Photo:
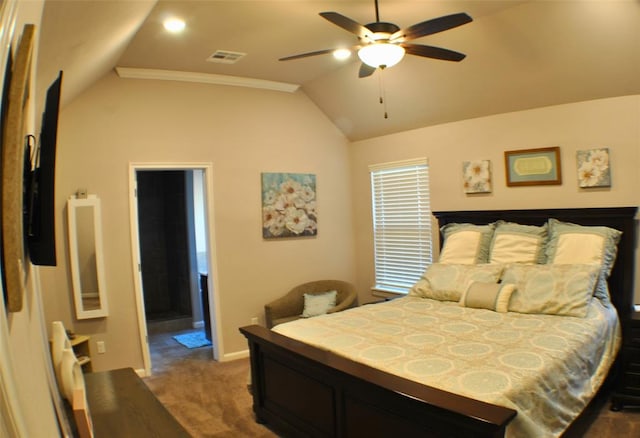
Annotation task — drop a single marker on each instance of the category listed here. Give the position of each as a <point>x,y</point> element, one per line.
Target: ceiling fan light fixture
<point>381,54</point>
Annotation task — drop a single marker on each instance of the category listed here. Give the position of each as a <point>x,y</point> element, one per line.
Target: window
<point>401,223</point>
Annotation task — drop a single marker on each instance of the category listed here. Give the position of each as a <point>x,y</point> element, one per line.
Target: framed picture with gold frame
<point>13,158</point>
<point>533,167</point>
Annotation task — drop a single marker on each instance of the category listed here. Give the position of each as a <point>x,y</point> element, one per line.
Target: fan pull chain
<point>382,92</point>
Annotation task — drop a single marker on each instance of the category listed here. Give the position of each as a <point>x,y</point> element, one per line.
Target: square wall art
<point>593,168</point>
<point>477,176</point>
<point>289,205</point>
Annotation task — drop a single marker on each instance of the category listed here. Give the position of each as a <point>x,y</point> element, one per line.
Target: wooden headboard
<point>621,281</point>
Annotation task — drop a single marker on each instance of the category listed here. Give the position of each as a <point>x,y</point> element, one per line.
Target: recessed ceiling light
<point>174,25</point>
<point>341,53</point>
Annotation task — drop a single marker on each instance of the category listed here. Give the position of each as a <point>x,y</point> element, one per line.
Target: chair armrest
<point>345,304</point>
<point>280,308</point>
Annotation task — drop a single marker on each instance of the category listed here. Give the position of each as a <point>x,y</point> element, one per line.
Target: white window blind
<point>401,223</point>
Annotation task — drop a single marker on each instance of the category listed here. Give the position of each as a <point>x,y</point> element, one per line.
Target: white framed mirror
<point>86,254</point>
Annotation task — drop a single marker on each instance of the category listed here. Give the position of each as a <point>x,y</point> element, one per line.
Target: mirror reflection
<point>85,235</point>
<point>85,250</point>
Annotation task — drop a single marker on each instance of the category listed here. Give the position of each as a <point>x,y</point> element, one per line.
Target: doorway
<point>170,212</point>
<point>166,250</point>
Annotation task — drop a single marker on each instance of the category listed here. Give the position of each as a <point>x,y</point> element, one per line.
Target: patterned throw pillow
<point>551,289</point>
<point>446,282</point>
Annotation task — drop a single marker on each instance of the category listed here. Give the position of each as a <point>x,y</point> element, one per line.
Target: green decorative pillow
<point>466,244</point>
<point>491,296</point>
<point>515,243</point>
<point>551,289</point>
<point>318,304</point>
<point>572,243</point>
<point>446,282</point>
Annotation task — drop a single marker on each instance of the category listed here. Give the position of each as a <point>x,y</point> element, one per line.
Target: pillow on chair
<point>318,304</point>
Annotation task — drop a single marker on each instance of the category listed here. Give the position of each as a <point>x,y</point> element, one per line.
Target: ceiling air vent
<point>226,57</point>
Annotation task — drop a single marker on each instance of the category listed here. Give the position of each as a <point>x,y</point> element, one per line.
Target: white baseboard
<point>198,324</point>
<point>235,356</point>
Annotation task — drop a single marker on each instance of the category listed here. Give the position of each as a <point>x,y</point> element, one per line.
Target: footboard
<point>299,390</point>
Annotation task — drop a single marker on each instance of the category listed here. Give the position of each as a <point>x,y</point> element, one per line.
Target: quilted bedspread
<point>546,367</point>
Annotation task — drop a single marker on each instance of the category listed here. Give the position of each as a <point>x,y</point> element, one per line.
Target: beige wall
<point>612,123</point>
<point>242,132</point>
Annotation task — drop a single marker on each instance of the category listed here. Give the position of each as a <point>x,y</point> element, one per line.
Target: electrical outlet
<point>254,320</point>
<point>101,348</point>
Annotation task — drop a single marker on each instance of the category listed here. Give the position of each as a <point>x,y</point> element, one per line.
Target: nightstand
<point>627,391</point>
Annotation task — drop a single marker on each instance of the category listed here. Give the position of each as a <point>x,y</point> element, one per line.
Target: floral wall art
<point>593,168</point>
<point>289,205</point>
<point>477,176</point>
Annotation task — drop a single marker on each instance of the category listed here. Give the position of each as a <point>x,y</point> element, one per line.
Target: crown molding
<point>204,78</point>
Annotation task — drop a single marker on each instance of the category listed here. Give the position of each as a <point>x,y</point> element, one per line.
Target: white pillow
<point>318,304</point>
<point>465,244</point>
<point>572,243</point>
<point>515,243</point>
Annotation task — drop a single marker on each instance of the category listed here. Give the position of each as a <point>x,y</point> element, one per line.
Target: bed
<point>313,388</point>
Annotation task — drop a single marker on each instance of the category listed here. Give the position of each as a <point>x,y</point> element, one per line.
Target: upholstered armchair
<point>290,306</point>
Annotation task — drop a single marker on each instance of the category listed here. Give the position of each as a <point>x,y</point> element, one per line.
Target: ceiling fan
<point>383,45</point>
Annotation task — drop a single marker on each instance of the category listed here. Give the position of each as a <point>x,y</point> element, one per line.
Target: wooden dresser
<point>121,405</point>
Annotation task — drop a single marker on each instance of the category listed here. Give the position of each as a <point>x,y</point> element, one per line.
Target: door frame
<point>212,265</point>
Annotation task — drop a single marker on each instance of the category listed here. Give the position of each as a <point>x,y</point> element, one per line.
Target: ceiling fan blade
<point>348,24</point>
<point>365,70</point>
<point>433,52</point>
<point>432,26</point>
<point>305,55</point>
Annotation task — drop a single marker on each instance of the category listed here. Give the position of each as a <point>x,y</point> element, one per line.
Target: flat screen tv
<point>40,199</point>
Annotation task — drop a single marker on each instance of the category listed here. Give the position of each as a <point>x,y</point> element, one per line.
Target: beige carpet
<point>210,399</point>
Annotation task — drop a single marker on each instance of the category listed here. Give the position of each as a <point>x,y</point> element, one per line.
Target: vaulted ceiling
<point>520,54</point>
